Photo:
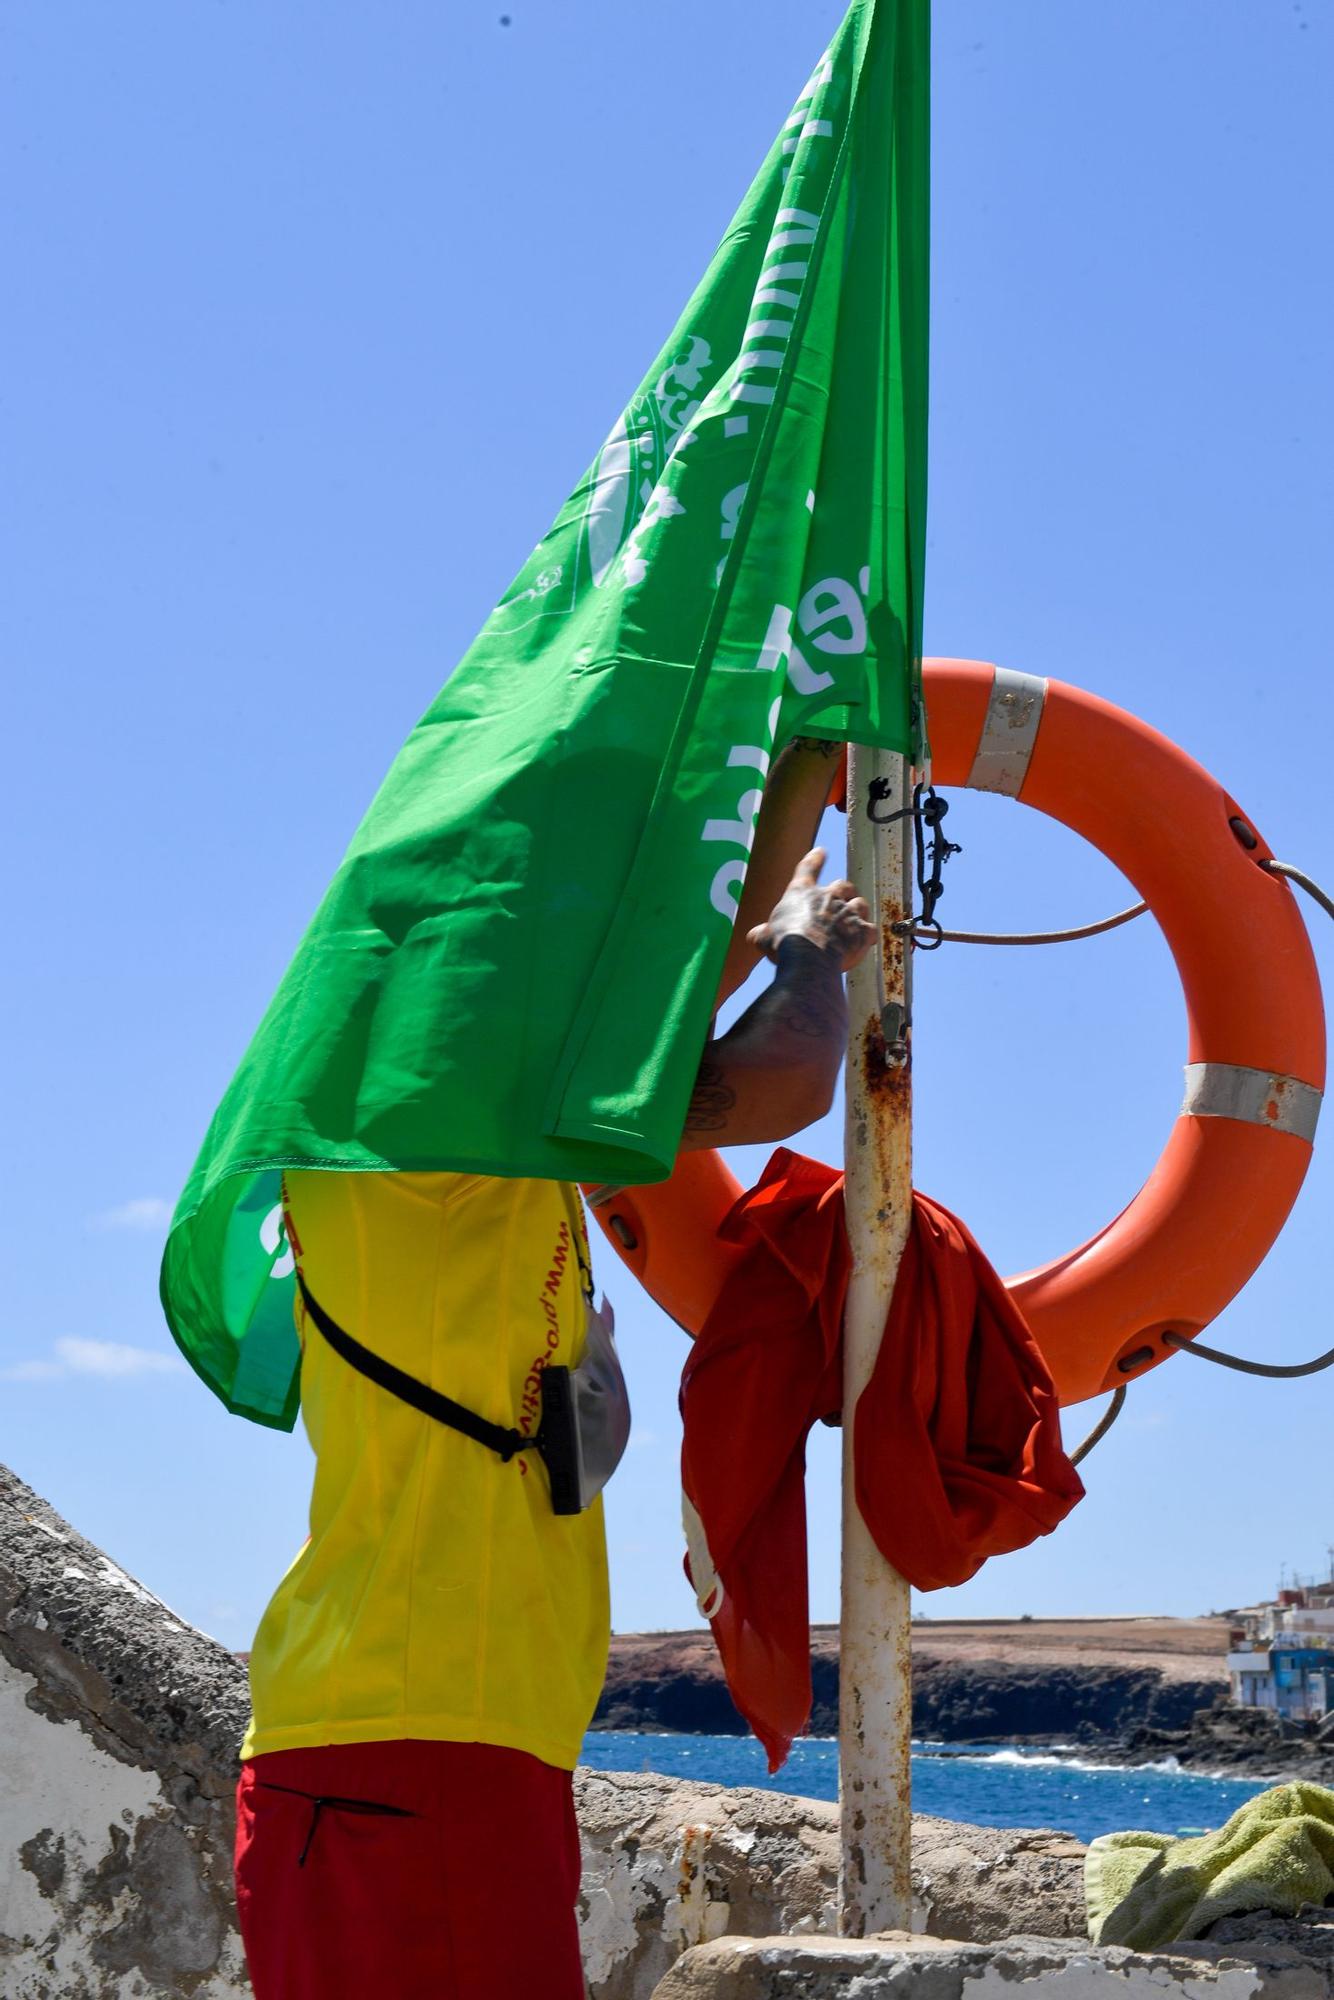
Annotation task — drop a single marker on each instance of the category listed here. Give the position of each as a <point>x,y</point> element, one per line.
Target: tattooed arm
<point>774,1069</point>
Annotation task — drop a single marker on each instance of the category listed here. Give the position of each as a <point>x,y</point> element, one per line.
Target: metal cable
<point>1280,1371</point>
<point>1283,868</point>
<point>1042,937</point>
<point>1303,881</point>
<point>1101,1428</point>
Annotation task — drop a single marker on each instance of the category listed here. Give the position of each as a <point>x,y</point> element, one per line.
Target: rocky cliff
<point>1023,1679</point>
<point>956,1702</point>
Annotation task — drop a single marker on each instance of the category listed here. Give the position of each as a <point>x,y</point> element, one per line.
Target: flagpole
<point>875,1684</point>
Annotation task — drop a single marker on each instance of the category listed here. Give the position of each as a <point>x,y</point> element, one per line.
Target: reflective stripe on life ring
<point>1239,1149</point>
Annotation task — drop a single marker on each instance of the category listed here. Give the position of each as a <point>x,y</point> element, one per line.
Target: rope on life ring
<point>1237,1154</point>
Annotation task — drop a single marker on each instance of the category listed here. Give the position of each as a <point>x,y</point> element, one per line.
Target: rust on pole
<point>875,1674</point>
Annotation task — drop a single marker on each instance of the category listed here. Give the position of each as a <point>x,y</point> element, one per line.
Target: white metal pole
<point>875,1673</point>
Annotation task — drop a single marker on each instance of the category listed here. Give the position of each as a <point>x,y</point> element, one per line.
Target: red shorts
<point>408,1870</point>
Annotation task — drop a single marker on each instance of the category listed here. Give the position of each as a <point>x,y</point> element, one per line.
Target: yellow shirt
<point>438,1595</point>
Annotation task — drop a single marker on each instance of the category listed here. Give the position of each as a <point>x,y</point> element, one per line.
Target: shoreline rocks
<point>1228,1742</point>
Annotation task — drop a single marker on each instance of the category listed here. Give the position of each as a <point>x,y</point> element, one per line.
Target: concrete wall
<point>912,1968</point>
<point>119,1727</point>
<point>669,1865</point>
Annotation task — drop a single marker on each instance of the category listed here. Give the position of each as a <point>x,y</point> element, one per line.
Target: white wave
<point>1052,1759</point>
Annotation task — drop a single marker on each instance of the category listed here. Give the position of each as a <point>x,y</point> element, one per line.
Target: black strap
<point>408,1389</point>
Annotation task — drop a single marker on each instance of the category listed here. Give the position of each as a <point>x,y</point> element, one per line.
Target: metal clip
<point>894,1023</point>
<point>878,791</point>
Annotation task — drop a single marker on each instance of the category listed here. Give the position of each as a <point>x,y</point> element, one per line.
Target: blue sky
<point>315,315</point>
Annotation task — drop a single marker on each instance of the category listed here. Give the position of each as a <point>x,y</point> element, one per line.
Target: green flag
<point>514,967</point>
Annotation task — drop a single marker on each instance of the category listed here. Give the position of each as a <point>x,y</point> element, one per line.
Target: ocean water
<point>989,1784</point>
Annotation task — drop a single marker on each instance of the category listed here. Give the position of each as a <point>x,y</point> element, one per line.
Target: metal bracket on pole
<point>875,1671</point>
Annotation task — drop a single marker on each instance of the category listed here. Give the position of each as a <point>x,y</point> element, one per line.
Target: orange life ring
<point>1255,1064</point>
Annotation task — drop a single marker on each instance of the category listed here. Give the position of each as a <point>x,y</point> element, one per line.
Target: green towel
<point>1275,1853</point>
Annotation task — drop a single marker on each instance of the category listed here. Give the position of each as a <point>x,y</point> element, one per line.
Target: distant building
<point>1282,1653</point>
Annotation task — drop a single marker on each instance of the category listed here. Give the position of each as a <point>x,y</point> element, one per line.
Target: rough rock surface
<point>669,1864</point>
<point>1311,1934</point>
<point>120,1727</point>
<point>894,1967</point>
